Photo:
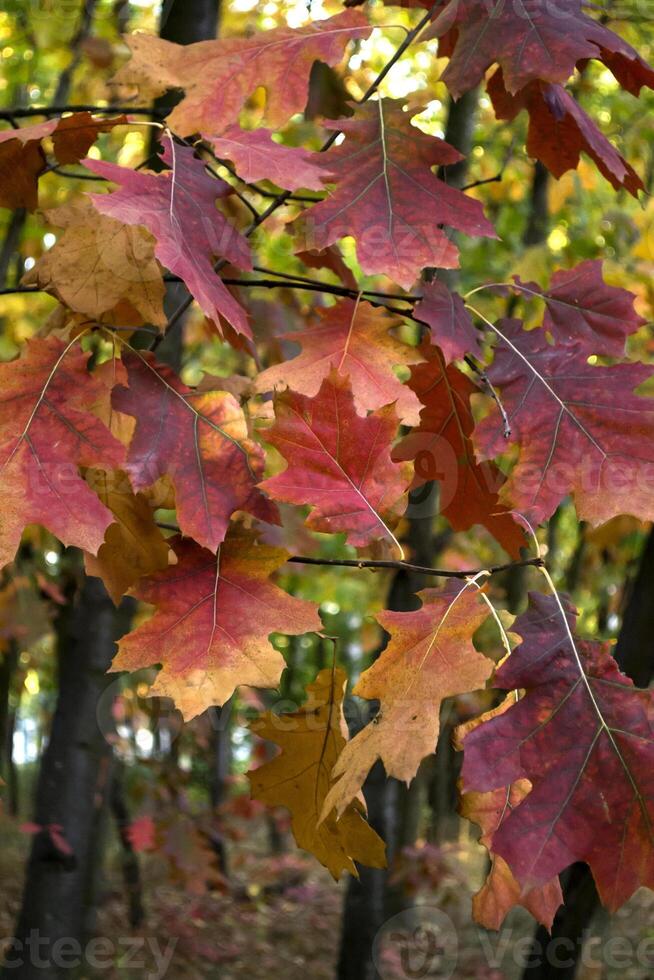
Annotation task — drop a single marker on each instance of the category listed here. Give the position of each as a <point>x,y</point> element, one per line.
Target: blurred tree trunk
<point>130,861</point>
<point>635,655</point>
<point>70,779</point>
<point>8,666</point>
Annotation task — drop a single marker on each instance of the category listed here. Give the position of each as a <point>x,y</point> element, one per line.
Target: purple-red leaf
<point>583,735</point>
<point>178,207</point>
<point>579,427</point>
<point>389,199</point>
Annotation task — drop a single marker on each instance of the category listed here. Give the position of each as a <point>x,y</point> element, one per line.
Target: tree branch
<point>419,569</point>
<point>57,110</point>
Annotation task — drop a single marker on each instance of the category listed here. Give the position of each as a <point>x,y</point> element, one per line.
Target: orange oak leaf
<point>23,160</point>
<point>338,462</point>
<point>256,156</point>
<point>580,306</point>
<point>178,208</point>
<point>559,130</point>
<point>583,735</point>
<point>218,76</point>
<point>532,40</point>
<point>200,440</point>
<point>214,614</point>
<point>579,428</point>
<point>429,657</point>
<point>299,778</point>
<point>351,337</point>
<point>501,892</point>
<point>441,449</point>
<point>46,432</point>
<point>387,197</point>
<point>450,323</point>
<point>101,267</point>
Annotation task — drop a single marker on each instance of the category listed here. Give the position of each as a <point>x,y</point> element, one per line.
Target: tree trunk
<point>635,656</point>
<point>58,870</point>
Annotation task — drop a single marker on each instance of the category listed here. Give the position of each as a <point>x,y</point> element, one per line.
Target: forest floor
<point>282,918</point>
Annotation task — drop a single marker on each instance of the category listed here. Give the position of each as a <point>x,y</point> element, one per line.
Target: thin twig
<point>488,385</point>
<point>57,110</point>
<point>420,569</point>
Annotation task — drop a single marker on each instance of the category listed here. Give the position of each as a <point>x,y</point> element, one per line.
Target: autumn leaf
<point>501,892</point>
<point>133,546</point>
<point>338,462</point>
<point>299,778</point>
<point>429,657</point>
<point>559,130</point>
<point>450,324</point>
<point>580,306</point>
<point>213,617</point>
<point>178,208</point>
<point>441,449</point>
<point>579,429</point>
<point>200,440</point>
<point>101,267</point>
<point>23,159</point>
<point>351,337</point>
<point>256,156</point>
<point>46,433</point>
<point>530,41</point>
<point>387,197</point>
<point>583,735</point>
<point>218,76</point>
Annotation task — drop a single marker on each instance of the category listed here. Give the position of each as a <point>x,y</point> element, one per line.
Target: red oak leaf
<point>450,323</point>
<point>583,735</point>
<point>387,197</point>
<point>559,130</point>
<point>338,462</point>
<point>429,657</point>
<point>351,337</point>
<point>579,428</point>
<point>442,450</point>
<point>580,306</point>
<point>218,76</point>
<point>200,440</point>
<point>214,614</point>
<point>257,157</point>
<point>530,40</point>
<point>46,432</point>
<point>178,208</point>
<point>23,160</point>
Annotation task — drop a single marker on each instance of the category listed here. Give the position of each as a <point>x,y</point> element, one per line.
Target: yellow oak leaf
<point>101,268</point>
<point>299,778</point>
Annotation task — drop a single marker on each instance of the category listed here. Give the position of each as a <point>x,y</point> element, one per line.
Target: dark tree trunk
<point>59,867</point>
<point>635,655</point>
<point>8,666</point>
<point>130,861</point>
